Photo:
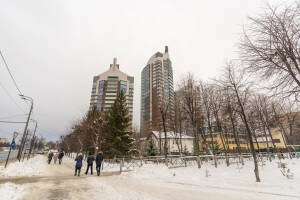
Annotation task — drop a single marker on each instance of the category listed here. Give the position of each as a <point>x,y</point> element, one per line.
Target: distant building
<point>107,86</point>
<point>156,89</point>
<point>229,140</point>
<point>4,141</point>
<point>174,143</point>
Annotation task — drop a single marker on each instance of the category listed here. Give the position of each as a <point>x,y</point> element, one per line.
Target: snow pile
<point>10,191</point>
<point>31,167</point>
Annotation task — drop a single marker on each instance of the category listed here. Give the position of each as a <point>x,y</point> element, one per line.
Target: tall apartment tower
<point>107,85</point>
<point>157,89</point>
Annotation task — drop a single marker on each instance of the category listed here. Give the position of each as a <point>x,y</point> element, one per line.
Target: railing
<point>175,161</point>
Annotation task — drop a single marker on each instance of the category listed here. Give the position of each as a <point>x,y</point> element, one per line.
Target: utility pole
<point>34,144</point>
<point>24,145</point>
<point>32,141</point>
<point>26,126</point>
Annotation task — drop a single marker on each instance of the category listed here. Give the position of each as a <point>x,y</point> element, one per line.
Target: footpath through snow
<point>150,182</point>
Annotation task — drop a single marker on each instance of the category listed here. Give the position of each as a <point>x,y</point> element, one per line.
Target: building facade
<point>156,91</point>
<point>176,143</point>
<point>107,86</point>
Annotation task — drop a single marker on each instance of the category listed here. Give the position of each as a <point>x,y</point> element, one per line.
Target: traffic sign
<point>13,144</point>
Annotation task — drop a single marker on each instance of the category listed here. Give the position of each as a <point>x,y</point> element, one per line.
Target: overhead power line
<point>6,65</point>
<point>11,98</point>
<point>12,122</point>
<point>12,116</point>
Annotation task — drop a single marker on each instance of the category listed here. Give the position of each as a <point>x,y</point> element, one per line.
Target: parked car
<point>40,152</point>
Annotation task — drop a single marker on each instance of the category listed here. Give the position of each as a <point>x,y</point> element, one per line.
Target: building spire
<point>114,65</point>
<point>115,62</point>
<point>166,49</point>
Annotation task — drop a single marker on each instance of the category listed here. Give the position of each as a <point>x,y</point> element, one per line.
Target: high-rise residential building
<point>157,90</point>
<point>107,86</point>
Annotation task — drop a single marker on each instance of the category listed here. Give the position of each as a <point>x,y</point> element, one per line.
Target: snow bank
<point>10,191</point>
<point>234,177</point>
<point>32,167</point>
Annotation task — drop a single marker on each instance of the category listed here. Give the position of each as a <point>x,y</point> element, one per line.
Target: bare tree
<point>192,108</point>
<point>163,110</point>
<point>230,112</point>
<point>270,47</point>
<point>217,101</point>
<point>206,98</point>
<point>238,84</point>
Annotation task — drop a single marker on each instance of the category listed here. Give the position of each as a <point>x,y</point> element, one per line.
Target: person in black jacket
<point>90,161</point>
<point>60,157</point>
<point>51,154</point>
<point>99,159</point>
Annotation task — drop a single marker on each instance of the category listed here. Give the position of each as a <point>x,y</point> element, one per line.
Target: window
<point>112,78</point>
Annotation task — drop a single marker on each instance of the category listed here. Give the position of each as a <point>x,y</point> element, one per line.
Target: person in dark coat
<point>50,156</point>
<point>60,157</point>
<point>90,161</point>
<point>78,164</point>
<point>99,159</point>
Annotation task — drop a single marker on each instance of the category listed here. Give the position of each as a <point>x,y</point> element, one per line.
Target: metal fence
<point>127,164</point>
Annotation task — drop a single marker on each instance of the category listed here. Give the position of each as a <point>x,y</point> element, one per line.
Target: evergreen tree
<point>151,151</point>
<point>118,140</point>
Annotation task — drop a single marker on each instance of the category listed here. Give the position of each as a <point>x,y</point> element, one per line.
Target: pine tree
<point>118,140</point>
<point>151,151</point>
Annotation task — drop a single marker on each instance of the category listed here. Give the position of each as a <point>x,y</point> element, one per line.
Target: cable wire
<point>12,99</point>
<point>11,122</point>
<point>6,65</point>
<point>12,116</point>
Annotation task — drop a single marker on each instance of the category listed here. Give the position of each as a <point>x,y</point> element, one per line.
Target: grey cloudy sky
<point>55,47</point>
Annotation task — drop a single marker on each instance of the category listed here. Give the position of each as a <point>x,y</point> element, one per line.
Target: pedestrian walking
<point>99,159</point>
<point>90,161</point>
<point>50,155</point>
<point>78,164</point>
<point>55,157</point>
<point>60,157</point>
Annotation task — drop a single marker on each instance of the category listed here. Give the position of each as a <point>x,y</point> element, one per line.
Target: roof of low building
<point>171,134</point>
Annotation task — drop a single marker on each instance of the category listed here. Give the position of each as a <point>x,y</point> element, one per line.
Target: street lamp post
<point>26,126</point>
<point>32,140</point>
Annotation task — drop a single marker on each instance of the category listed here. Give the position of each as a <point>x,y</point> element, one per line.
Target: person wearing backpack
<point>99,159</point>
<point>90,161</point>
<point>78,164</point>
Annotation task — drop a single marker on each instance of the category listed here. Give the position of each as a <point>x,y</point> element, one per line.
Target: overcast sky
<point>55,47</point>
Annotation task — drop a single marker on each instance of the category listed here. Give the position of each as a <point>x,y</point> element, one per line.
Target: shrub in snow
<point>286,171</point>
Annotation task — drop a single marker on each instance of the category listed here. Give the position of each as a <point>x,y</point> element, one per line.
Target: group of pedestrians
<point>56,156</point>
<point>90,162</point>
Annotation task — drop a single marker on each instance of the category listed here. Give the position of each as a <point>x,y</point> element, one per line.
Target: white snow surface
<point>32,167</point>
<point>227,179</point>
<point>113,192</point>
<point>10,191</point>
<point>156,181</point>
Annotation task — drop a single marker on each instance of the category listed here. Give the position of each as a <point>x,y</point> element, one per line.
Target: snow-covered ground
<point>152,181</point>
<point>227,179</point>
<point>32,167</point>
<point>10,191</point>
